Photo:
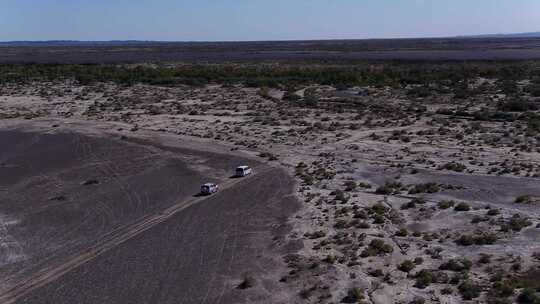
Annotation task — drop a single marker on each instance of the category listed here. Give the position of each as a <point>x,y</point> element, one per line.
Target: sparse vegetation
<point>462,207</point>
<point>370,146</point>
<point>469,290</point>
<point>377,247</point>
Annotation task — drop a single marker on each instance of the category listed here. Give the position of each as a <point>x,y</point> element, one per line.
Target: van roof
<point>209,185</point>
<point>242,167</point>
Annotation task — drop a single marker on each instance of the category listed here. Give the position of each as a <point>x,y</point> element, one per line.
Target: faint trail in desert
<point>107,242</point>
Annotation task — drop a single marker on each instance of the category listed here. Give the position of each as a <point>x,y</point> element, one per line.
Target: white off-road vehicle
<point>242,171</point>
<point>209,188</point>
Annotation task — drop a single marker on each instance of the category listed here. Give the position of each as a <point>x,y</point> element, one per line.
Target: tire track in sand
<point>108,242</point>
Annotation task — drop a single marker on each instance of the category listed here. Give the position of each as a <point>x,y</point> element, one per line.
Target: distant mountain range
<point>513,35</point>
<point>140,42</point>
<point>75,42</point>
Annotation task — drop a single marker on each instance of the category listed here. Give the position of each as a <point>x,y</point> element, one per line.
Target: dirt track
<point>196,257</point>
<point>106,243</point>
<point>191,225</point>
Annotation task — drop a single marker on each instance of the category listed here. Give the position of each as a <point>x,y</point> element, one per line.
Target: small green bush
<point>462,207</point>
<point>469,290</point>
<point>406,266</point>
<point>456,265</point>
<point>528,296</point>
<point>425,188</point>
<point>446,204</point>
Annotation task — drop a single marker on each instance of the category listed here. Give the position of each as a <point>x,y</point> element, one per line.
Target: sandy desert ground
<point>100,200</point>
<point>404,198</point>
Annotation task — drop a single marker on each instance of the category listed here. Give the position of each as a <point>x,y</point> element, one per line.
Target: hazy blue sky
<point>261,20</point>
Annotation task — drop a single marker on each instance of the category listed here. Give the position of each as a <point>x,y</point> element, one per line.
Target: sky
<point>228,20</point>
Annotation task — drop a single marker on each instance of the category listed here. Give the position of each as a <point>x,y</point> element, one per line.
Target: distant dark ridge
<point>77,43</point>
<point>133,51</point>
<point>512,35</point>
<point>154,42</point>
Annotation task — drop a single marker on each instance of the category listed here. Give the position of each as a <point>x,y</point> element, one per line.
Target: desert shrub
<point>523,199</point>
<point>458,277</point>
<point>445,112</point>
<point>364,185</point>
<point>434,253</point>
<point>423,279</point>
<point>533,123</point>
<point>418,300</point>
<point>264,92</point>
<point>504,116</point>
<point>456,265</point>
<point>419,92</point>
<point>465,240</point>
<point>517,105</point>
<point>462,92</point>
<point>409,205</point>
<point>354,295</point>
<point>378,219</point>
<point>508,87</point>
<point>377,273</point>
<point>350,186</point>
<point>462,207</point>
<point>447,291</point>
<point>469,290</point>
<point>533,89</point>
<point>379,209</point>
<point>363,225</point>
<point>412,204</point>
<point>307,178</point>
<point>529,279</point>
<point>389,188</point>
<point>483,239</point>
<point>515,223</point>
<point>291,96</point>
<point>343,224</point>
<point>426,277</point>
<point>406,266</point>
<point>482,115</point>
<point>478,219</point>
<point>502,289</point>
<point>377,247</point>
<point>310,99</point>
<point>419,201</point>
<point>528,296</point>
<point>493,212</point>
<point>425,188</point>
<point>484,258</point>
<point>403,232</point>
<point>330,259</point>
<point>446,204</point>
<point>341,197</point>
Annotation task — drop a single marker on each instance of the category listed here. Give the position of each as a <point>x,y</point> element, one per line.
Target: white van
<point>242,171</point>
<point>209,188</point>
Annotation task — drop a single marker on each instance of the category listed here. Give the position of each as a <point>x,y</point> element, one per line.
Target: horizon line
<point>502,35</point>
